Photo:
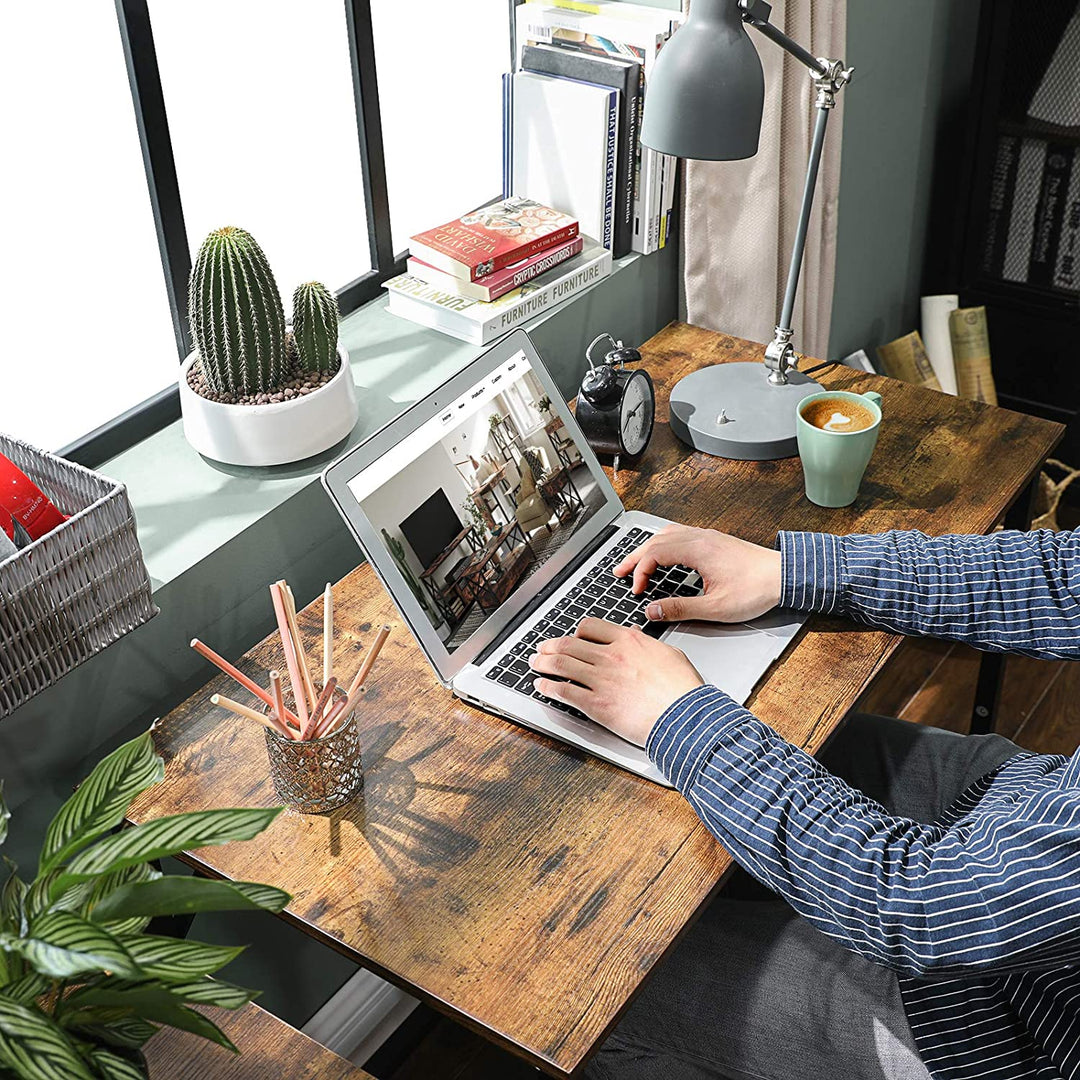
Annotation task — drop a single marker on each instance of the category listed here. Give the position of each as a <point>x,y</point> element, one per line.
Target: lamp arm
<point>830,76</point>
<point>757,12</point>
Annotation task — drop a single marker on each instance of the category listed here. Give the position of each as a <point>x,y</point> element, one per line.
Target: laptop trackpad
<point>732,656</point>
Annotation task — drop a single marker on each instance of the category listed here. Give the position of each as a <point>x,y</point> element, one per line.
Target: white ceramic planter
<point>270,434</point>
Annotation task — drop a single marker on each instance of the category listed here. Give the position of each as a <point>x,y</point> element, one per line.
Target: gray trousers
<point>754,992</point>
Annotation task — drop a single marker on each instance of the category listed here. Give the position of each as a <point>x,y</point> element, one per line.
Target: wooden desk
<point>517,884</point>
<point>269,1050</point>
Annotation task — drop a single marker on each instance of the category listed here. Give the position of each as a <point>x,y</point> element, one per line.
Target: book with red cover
<point>491,237</point>
<point>501,281</point>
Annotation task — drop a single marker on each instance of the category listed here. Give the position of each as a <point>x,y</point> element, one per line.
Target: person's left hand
<point>626,678</point>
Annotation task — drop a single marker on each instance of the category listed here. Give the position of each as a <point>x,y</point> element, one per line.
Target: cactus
<point>315,326</point>
<point>236,315</point>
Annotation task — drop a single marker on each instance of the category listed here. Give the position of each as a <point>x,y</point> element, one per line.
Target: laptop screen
<point>472,503</point>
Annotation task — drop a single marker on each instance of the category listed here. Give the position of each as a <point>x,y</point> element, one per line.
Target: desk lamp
<point>705,100</point>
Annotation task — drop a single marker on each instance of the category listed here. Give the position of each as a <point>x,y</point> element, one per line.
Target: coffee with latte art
<point>838,414</point>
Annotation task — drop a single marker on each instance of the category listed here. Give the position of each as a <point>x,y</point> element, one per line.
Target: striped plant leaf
<point>212,992</point>
<point>117,1027</point>
<point>166,836</point>
<point>35,1048</point>
<point>62,945</point>
<point>74,899</point>
<point>26,989</point>
<point>101,799</point>
<point>13,902</point>
<point>5,815</point>
<point>110,1065</point>
<point>99,888</point>
<point>176,959</point>
<point>39,897</point>
<point>179,895</point>
<point>154,1002</point>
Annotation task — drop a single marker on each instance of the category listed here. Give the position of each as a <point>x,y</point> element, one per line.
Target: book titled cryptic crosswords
<point>487,239</point>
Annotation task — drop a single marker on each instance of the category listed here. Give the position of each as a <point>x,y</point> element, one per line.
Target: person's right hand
<point>740,580</point>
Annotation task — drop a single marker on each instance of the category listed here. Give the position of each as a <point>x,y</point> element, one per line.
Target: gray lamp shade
<point>707,90</point>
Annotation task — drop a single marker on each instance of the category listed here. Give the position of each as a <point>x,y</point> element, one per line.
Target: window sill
<point>188,507</point>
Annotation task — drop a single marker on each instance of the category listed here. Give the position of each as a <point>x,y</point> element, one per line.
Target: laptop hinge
<point>553,586</point>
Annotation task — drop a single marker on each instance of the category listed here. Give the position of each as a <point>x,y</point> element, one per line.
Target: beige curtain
<point>740,216</point>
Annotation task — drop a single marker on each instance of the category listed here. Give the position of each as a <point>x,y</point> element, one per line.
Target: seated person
<point>929,920</point>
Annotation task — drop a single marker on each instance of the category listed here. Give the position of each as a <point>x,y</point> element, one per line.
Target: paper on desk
<point>935,334</point>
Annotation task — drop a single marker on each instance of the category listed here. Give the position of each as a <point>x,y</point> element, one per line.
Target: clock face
<point>636,413</point>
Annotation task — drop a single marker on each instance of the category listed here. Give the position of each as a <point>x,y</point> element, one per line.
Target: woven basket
<point>81,586</point>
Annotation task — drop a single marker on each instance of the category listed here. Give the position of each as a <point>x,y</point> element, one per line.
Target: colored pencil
<point>235,673</point>
<point>279,699</point>
<point>298,644</point>
<point>339,714</point>
<point>277,594</point>
<point>327,634</point>
<point>251,714</point>
<point>369,660</point>
<point>317,712</point>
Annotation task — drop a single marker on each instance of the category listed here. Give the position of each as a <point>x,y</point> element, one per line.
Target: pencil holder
<point>316,775</point>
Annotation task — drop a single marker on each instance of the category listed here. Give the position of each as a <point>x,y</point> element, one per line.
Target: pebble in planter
<point>253,392</point>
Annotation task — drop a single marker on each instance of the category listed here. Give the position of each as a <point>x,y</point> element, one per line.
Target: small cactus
<point>236,315</point>
<point>315,327</point>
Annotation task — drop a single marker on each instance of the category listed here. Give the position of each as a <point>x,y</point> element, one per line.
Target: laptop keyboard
<point>599,594</point>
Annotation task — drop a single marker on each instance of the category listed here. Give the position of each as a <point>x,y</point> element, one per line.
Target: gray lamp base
<point>760,422</point>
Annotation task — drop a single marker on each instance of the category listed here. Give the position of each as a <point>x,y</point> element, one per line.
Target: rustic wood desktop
<point>522,887</point>
<point>269,1050</point>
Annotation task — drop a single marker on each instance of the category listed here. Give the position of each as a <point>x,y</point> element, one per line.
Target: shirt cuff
<point>688,731</point>
<point>811,571</point>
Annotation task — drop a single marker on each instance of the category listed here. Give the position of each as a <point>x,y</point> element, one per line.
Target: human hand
<point>626,678</point>
<point>740,580</point>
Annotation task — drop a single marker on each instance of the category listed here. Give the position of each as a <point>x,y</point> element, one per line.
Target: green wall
<point>903,121</point>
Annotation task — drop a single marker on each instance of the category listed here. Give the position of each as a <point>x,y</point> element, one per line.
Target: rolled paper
<point>935,333</point>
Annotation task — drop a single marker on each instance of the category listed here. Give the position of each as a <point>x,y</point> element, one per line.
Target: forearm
<point>913,897</point>
<point>1009,592</point>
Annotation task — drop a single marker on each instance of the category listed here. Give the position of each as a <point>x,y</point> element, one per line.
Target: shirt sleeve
<point>998,891</point>
<point>1007,592</point>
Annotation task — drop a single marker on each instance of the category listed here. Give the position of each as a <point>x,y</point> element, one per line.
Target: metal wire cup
<point>316,775</point>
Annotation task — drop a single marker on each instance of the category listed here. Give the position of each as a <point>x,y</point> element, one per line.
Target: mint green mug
<point>834,461</point>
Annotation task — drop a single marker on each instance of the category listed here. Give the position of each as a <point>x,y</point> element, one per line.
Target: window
<point>87,327</point>
<point>266,115</point>
<point>440,89</point>
<point>263,123</point>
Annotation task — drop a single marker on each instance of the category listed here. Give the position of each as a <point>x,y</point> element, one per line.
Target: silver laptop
<point>492,525</point>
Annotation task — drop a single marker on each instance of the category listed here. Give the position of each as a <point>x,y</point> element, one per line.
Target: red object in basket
<point>25,501</point>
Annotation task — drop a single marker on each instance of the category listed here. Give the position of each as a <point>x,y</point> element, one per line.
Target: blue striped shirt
<point>978,913</point>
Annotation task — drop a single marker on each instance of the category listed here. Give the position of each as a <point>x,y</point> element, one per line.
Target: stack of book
<point>479,276</point>
<point>572,119</point>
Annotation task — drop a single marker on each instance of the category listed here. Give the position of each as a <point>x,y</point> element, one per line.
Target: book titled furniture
<point>519,885</point>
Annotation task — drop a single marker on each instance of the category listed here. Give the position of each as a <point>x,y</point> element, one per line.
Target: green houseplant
<point>82,985</point>
<point>253,391</point>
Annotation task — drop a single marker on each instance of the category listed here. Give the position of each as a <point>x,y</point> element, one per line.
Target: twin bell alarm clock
<point>616,405</point>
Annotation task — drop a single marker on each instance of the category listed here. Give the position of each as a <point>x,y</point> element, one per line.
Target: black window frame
<point>140,56</point>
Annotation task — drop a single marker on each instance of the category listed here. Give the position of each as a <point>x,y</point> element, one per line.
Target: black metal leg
<point>992,665</point>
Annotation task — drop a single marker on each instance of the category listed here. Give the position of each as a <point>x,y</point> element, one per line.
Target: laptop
<point>492,525</point>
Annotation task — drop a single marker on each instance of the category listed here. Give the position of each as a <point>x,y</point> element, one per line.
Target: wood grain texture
<point>521,886</point>
<point>269,1050</point>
